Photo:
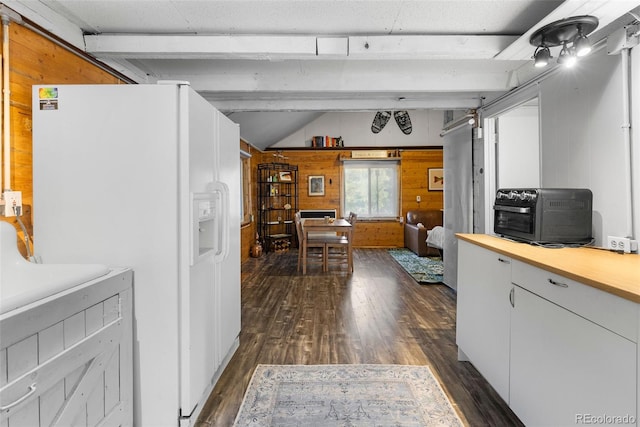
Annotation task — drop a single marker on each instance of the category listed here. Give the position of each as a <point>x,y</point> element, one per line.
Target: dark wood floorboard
<point>378,315</point>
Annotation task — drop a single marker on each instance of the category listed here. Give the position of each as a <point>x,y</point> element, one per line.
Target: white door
<point>198,315</point>
<point>229,268</point>
<point>458,196</point>
<point>483,324</point>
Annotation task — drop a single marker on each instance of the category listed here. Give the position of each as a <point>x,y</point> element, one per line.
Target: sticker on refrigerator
<point>48,97</point>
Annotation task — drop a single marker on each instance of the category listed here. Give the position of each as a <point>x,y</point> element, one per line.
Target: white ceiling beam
<point>351,76</point>
<point>153,46</point>
<point>332,46</point>
<point>200,46</point>
<point>40,13</point>
<point>430,47</point>
<point>605,10</point>
<point>250,103</point>
<point>128,69</point>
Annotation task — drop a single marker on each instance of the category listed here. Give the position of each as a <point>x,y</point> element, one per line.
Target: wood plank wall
<point>248,230</point>
<point>34,59</point>
<point>414,166</point>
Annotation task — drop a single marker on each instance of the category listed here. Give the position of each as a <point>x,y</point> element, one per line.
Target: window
<point>371,188</point>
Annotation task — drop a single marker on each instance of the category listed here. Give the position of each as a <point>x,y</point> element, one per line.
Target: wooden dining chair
<point>340,254</point>
<point>340,245</point>
<point>352,218</point>
<point>303,248</point>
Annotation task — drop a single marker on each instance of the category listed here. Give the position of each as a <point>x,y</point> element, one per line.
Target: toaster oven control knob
<point>512,195</point>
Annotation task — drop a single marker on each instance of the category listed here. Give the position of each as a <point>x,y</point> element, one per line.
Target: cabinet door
<point>483,310</point>
<point>565,368</point>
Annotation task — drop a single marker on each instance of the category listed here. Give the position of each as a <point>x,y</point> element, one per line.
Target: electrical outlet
<point>12,202</point>
<point>418,199</point>
<point>621,244</point>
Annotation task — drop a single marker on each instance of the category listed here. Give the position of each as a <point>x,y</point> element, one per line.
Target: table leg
<point>349,251</point>
<point>304,256</point>
<point>325,258</point>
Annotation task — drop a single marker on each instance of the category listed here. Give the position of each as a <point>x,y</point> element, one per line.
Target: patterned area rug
<point>422,269</point>
<point>345,395</point>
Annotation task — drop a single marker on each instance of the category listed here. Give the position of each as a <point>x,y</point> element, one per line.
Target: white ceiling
<point>295,59</point>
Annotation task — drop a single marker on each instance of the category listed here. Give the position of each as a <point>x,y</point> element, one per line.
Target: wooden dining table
<point>339,226</point>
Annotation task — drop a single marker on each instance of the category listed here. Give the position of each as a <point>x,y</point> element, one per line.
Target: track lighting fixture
<point>570,33</point>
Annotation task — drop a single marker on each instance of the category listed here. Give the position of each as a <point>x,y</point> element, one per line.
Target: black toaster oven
<point>544,215</point>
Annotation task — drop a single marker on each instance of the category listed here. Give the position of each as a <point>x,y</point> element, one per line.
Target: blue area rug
<point>422,269</point>
<point>345,395</point>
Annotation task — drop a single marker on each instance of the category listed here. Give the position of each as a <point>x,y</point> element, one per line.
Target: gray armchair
<point>415,237</point>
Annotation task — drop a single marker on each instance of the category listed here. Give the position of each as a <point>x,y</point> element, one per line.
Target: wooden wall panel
<point>248,231</point>
<point>414,166</point>
<point>248,237</point>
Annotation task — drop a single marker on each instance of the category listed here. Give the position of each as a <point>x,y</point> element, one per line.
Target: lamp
<point>570,33</point>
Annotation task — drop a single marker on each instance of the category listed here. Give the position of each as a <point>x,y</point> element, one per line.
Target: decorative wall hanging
<point>404,121</point>
<point>401,117</point>
<point>436,179</point>
<point>316,185</point>
<point>380,121</point>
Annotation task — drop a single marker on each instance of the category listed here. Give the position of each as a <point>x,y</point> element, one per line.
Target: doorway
<point>508,156</point>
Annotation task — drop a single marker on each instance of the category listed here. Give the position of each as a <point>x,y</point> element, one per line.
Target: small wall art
<point>316,185</point>
<point>285,176</point>
<point>436,179</point>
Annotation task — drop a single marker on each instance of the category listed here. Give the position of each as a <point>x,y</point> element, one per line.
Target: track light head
<point>582,45</point>
<point>541,56</point>
<point>567,56</point>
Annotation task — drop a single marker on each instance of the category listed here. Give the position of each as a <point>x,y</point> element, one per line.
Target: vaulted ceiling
<point>273,65</point>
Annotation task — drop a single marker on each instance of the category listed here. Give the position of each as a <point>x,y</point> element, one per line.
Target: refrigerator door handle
<point>222,245</point>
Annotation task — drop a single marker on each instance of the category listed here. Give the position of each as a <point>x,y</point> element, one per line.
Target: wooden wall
<point>35,59</point>
<point>414,166</point>
<point>248,230</point>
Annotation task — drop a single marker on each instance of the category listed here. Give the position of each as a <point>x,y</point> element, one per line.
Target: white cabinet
<point>66,360</point>
<point>565,368</point>
<point>558,351</point>
<point>483,310</point>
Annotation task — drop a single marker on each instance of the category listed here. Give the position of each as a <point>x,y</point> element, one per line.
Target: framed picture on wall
<point>316,185</point>
<point>436,179</point>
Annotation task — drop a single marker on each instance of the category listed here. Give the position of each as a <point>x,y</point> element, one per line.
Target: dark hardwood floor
<point>378,315</point>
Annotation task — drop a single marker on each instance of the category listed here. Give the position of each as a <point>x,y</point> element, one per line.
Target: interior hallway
<point>377,315</point>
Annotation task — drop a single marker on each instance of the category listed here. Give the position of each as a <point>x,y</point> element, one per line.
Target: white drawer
<point>607,310</point>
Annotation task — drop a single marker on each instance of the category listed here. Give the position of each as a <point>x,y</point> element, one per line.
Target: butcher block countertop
<point>612,272</point>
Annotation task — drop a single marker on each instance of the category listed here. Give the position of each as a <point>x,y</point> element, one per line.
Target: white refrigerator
<point>148,176</point>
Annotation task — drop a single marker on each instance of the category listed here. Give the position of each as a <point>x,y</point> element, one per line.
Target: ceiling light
<point>567,56</point>
<point>582,45</point>
<point>570,33</point>
<point>542,56</point>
